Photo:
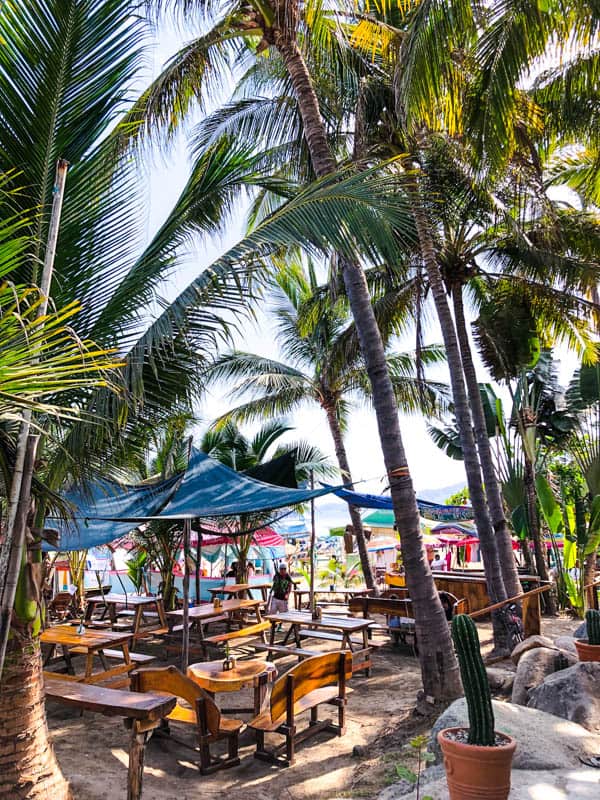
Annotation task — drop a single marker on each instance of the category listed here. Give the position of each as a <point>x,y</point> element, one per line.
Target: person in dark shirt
<point>282,586</point>
<point>232,572</point>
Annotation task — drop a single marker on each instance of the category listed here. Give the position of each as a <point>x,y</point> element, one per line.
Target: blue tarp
<point>208,489</point>
<point>91,526</point>
<point>429,510</point>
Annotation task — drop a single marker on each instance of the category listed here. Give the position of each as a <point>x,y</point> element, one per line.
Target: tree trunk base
<point>28,766</point>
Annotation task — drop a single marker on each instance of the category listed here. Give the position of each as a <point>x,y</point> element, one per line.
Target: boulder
<point>500,680</point>
<point>580,631</point>
<point>543,740</point>
<point>566,643</point>
<point>530,644</point>
<point>533,667</point>
<point>573,694</point>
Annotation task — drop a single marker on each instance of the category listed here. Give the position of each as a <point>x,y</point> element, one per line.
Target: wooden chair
<point>63,606</point>
<point>201,712</point>
<point>320,679</point>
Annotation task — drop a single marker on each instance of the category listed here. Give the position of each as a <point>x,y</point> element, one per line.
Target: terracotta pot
<point>587,651</point>
<point>474,772</point>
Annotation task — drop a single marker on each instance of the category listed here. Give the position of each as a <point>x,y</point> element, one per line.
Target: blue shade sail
<point>104,511</point>
<point>435,511</point>
<point>107,510</point>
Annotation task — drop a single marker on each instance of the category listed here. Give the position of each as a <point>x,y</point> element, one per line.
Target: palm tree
<point>65,73</point>
<point>323,366</point>
<point>225,442</point>
<point>253,27</point>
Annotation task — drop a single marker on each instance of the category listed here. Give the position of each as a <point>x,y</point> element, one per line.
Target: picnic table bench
<point>142,711</point>
<point>239,637</point>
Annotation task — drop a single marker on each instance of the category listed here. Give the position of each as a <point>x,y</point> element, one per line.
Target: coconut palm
<point>323,366</point>
<point>66,69</point>
<point>246,30</point>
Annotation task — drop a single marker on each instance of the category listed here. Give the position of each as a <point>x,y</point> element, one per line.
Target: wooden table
<point>347,593</point>
<point>206,612</point>
<point>211,676</point>
<point>241,590</point>
<point>90,643</point>
<point>337,629</point>
<point>139,604</point>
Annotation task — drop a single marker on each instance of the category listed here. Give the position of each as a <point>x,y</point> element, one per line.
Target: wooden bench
<point>201,711</point>
<point>240,636</point>
<point>285,650</point>
<point>143,712</point>
<point>317,680</point>
<point>331,636</point>
<point>117,655</point>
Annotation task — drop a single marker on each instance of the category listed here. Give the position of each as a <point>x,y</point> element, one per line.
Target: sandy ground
<point>93,750</point>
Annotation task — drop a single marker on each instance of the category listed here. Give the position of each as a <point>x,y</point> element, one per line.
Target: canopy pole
<point>185,645</point>
<point>198,552</point>
<point>311,596</point>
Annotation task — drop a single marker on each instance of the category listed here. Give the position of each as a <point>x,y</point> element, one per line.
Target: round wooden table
<point>211,676</point>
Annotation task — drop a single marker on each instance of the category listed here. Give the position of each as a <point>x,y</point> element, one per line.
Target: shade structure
<point>106,510</point>
<point>102,512</point>
<point>433,511</point>
<point>210,489</point>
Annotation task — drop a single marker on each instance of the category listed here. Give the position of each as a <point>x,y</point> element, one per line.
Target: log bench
<point>317,680</point>
<point>142,712</point>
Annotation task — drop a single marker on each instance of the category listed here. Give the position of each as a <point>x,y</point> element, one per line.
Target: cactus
<point>592,625</point>
<point>475,682</point>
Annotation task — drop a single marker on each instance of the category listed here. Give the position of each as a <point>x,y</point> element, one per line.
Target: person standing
<point>280,591</point>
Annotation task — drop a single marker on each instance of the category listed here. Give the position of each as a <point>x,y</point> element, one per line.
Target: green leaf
<point>405,773</point>
<point>549,506</point>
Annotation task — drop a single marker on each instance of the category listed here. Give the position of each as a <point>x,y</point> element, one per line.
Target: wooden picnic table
<point>241,590</point>
<point>255,672</point>
<point>206,612</point>
<point>139,604</point>
<point>91,643</point>
<point>336,629</point>
<point>346,592</point>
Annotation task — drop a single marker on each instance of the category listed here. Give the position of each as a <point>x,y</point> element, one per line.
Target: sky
<point>430,468</point>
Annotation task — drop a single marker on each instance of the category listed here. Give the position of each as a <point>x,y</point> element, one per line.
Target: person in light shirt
<point>438,563</point>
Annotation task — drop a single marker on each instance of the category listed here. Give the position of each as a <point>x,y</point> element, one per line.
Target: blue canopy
<point>107,510</point>
<point>429,510</point>
<point>103,512</point>
<point>210,489</point>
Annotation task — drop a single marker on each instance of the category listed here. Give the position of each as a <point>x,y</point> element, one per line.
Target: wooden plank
<point>285,650</point>
<point>110,702</point>
<point>250,630</point>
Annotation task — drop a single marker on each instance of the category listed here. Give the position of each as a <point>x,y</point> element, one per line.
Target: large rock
<point>530,644</point>
<point>567,644</point>
<point>500,680</point>
<point>533,667</point>
<point>580,631</point>
<point>543,741</point>
<point>572,694</point>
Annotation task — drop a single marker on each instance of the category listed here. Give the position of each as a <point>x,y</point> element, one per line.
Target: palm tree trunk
<point>489,551</point>
<point>28,767</point>
<point>342,458</point>
<point>439,668</point>
<point>508,565</point>
<point>539,547</point>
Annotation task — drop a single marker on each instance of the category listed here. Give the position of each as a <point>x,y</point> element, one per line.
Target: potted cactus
<point>477,759</point>
<point>589,649</point>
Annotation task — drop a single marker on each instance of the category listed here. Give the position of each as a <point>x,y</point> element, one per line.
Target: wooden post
<point>185,645</point>
<point>135,773</point>
<point>198,555</point>
<point>313,536</point>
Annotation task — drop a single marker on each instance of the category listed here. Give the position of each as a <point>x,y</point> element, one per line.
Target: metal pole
<point>198,553</point>
<point>12,547</point>
<point>311,596</point>
<point>185,647</point>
